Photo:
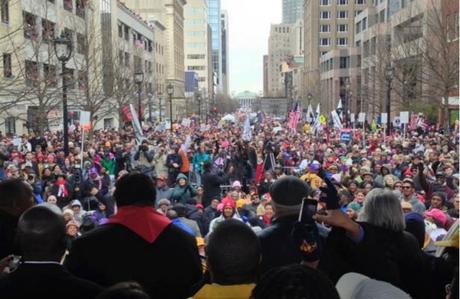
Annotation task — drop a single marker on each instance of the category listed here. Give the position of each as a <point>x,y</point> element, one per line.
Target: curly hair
<point>294,282</point>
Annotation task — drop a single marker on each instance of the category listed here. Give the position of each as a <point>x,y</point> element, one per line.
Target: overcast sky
<point>249,25</point>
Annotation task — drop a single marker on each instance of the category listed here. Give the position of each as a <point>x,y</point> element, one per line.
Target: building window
<point>149,45</point>
<point>325,2</point>
<point>382,16</point>
<point>196,56</point>
<point>120,30</point>
<point>29,26</point>
<point>49,73</point>
<point>344,62</point>
<point>342,41</point>
<point>31,73</point>
<point>80,8</point>
<point>120,57</point>
<point>47,31</point>
<point>325,41</point>
<point>7,72</point>
<point>196,68</point>
<point>325,15</point>
<point>126,31</point>
<point>358,27</point>
<point>81,80</point>
<point>10,125</point>
<point>127,62</point>
<point>342,14</point>
<point>108,123</point>
<point>364,24</point>
<point>69,78</point>
<point>81,43</point>
<point>5,12</point>
<point>325,28</point>
<point>359,2</point>
<point>68,5</point>
<point>357,12</point>
<point>342,27</point>
<point>342,2</point>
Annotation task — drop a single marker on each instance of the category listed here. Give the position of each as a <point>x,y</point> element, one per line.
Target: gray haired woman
<point>376,245</point>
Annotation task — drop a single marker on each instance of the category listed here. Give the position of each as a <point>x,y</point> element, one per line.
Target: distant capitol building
<point>246,99</point>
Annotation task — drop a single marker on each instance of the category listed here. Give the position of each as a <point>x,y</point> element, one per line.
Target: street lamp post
<point>170,91</point>
<point>198,98</point>
<point>150,107</point>
<point>63,48</point>
<point>347,99</point>
<point>389,73</point>
<point>160,95</point>
<point>138,79</point>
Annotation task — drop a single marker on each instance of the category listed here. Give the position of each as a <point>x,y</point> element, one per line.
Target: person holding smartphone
<point>282,242</point>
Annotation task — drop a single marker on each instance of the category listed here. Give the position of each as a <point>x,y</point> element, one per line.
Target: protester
<point>16,197</point>
<point>294,282</point>
<point>149,251</point>
<point>41,237</point>
<point>233,256</point>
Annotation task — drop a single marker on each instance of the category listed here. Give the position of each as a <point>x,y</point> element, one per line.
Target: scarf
<point>144,221</point>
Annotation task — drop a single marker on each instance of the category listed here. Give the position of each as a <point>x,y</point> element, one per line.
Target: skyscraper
<point>215,23</point>
<point>225,63</point>
<point>292,10</point>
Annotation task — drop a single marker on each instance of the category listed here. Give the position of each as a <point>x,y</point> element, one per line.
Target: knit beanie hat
<point>287,194</point>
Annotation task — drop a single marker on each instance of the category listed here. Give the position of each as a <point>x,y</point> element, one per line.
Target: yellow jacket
<point>314,180</point>
<point>216,291</point>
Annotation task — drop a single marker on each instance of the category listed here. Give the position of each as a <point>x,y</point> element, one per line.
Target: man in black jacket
<point>211,184</point>
<point>41,236</point>
<point>138,244</point>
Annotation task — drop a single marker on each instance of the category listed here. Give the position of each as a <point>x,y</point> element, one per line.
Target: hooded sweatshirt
<point>182,194</point>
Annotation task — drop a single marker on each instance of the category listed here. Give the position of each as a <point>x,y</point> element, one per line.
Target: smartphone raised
<point>308,210</point>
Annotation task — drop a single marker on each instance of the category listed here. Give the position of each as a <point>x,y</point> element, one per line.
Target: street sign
<point>397,121</point>
<point>362,117</point>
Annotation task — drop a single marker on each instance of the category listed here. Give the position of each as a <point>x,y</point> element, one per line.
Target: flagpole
<point>82,147</point>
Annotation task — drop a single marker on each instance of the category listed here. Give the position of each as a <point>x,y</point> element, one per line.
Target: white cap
<point>358,286</point>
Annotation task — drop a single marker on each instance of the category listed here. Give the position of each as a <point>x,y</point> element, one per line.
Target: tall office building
<point>292,10</point>
<point>331,60</point>
<point>265,64</point>
<point>280,50</point>
<point>225,54</point>
<point>197,44</point>
<point>215,23</point>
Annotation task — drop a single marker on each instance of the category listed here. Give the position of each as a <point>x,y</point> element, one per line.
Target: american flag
<point>294,117</point>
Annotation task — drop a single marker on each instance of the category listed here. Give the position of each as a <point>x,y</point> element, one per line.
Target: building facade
<point>31,82</point>
<point>265,75</point>
<point>225,53</point>
<point>292,11</point>
<point>169,13</point>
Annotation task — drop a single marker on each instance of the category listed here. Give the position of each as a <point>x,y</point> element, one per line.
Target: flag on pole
<point>340,108</point>
<point>247,134</point>
<point>136,124</point>
<point>294,117</point>
<point>336,120</point>
<point>310,117</point>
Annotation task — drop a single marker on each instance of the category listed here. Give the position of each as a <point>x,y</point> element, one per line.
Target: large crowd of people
<point>202,211</point>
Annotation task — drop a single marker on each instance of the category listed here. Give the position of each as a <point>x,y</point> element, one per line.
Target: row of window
<point>139,41</point>
<point>326,15</point>
<point>341,41</point>
<point>124,58</point>
<point>340,2</point>
<point>196,68</point>
<point>196,56</point>
<point>282,29</point>
<point>327,28</point>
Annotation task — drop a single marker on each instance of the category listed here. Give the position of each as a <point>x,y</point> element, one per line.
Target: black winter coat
<point>394,257</point>
<point>170,267</point>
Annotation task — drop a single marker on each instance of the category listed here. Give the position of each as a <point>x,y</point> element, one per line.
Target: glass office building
<point>215,23</point>
<point>292,10</point>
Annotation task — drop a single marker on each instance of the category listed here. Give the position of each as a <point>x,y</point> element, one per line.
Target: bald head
<point>41,234</point>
